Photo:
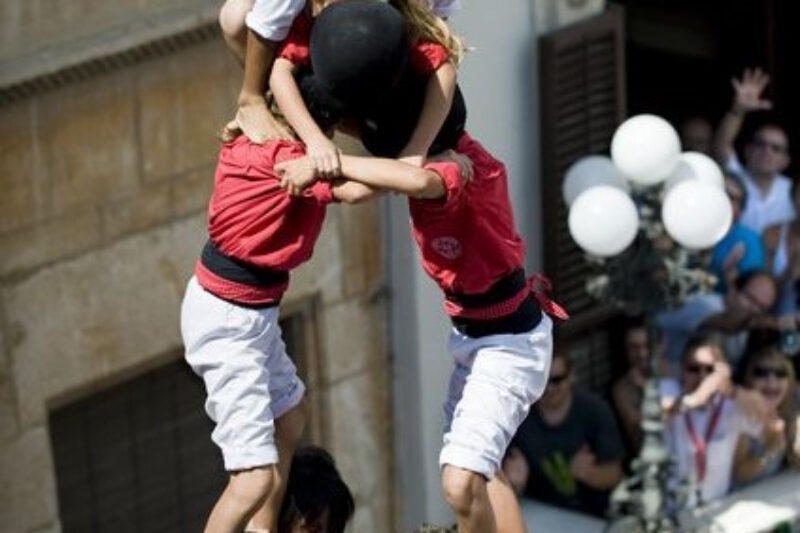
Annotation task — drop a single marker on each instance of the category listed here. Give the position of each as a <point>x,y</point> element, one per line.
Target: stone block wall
<point>102,215</point>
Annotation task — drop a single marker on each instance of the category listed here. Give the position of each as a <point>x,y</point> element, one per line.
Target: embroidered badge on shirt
<point>447,247</point>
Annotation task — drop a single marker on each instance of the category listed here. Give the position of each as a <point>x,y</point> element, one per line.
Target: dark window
<point>138,457</point>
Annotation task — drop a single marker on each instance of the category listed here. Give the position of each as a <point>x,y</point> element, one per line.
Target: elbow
<point>426,184</point>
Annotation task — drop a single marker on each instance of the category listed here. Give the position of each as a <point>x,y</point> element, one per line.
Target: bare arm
<point>319,147</point>
<point>747,97</point>
<point>352,192</point>
<point>385,174</point>
<point>393,175</point>
<point>604,476</point>
<point>438,99</point>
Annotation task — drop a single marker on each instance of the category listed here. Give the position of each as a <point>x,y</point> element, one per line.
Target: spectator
<point>766,156</point>
<point>741,250</point>
<point>317,499</point>
<point>627,391</point>
<point>568,451</point>
<point>705,425</point>
<point>771,374</point>
<point>782,243</point>
<point>696,135</point>
<point>747,304</point>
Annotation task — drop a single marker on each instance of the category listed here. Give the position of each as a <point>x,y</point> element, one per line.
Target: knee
<point>251,487</point>
<point>231,18</point>
<point>461,488</point>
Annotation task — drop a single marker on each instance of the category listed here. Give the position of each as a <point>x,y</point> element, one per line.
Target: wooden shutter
<point>582,87</point>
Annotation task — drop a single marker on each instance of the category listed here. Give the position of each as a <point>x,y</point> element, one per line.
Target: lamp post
<point>646,235</point>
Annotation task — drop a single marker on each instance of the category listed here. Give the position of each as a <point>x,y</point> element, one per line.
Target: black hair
<point>314,487</point>
<point>746,277</point>
<point>702,340</point>
<point>737,179</point>
<point>322,105</point>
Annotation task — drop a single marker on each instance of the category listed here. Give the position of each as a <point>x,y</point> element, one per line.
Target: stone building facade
<point>108,114</point>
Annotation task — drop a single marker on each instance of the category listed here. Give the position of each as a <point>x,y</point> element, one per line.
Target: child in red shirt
<point>229,317</point>
<point>501,341</point>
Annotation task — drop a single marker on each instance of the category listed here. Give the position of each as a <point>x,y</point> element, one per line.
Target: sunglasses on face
<point>762,372</point>
<point>764,144</point>
<point>557,379</point>
<point>697,368</point>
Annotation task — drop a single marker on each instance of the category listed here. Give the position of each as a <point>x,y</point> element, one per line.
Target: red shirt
<point>251,219</point>
<point>467,239</point>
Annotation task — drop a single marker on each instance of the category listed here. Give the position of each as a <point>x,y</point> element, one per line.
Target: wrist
<point>248,98</point>
<point>737,110</point>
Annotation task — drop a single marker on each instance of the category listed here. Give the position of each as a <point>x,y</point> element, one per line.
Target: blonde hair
<point>426,26</point>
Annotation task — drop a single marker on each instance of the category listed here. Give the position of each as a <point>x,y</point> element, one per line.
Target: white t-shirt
<point>272,19</point>
<point>763,211</point>
<point>720,449</point>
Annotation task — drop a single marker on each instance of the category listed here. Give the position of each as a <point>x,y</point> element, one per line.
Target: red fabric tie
<point>537,284</point>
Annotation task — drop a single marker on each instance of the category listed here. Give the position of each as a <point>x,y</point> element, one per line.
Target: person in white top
<point>766,156</point>
<point>707,420</point>
<point>252,30</point>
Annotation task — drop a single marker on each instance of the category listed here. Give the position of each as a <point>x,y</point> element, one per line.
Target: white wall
<point>500,83</point>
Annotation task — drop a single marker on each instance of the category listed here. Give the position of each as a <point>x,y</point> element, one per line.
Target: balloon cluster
<point>604,219</point>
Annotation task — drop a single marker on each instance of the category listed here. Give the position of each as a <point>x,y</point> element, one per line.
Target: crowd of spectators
<point>727,358</point>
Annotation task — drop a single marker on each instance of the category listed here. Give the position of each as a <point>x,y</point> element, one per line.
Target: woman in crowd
<point>771,374</point>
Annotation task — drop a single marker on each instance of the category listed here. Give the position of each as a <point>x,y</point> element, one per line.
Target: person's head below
<point>767,153</point>
<point>558,392</point>
<point>770,372</point>
<point>317,500</point>
<point>696,135</point>
<point>737,194</point>
<point>756,293</point>
<point>700,358</point>
<point>636,342</point>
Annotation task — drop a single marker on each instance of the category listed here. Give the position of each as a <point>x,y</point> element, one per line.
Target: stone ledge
<point>48,69</point>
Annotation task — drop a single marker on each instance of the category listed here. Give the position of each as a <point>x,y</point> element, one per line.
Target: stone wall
<point>102,215</point>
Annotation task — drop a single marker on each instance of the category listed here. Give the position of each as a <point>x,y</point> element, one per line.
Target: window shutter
<point>582,87</point>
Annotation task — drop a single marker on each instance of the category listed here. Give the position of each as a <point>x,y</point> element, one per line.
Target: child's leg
<point>288,432</point>
<point>466,493</point>
<point>236,350</point>
<point>244,494</point>
<point>495,381</point>
<point>507,514</point>
<point>234,30</point>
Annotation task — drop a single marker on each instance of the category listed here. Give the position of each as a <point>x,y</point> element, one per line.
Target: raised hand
<point>748,89</point>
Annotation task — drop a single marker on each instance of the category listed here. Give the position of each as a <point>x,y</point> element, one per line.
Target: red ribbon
<point>701,445</point>
<point>537,285</point>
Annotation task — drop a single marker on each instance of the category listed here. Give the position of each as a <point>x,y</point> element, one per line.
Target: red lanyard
<point>701,445</point>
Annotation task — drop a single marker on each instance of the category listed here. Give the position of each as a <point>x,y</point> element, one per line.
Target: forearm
<point>438,99</point>
<point>726,134</point>
<point>290,101</point>
<point>393,175</point>
<point>258,61</point>
<point>604,476</point>
<point>352,192</point>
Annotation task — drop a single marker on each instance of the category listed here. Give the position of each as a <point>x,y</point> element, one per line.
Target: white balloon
<point>603,220</point>
<point>694,165</point>
<point>646,149</point>
<point>696,214</point>
<point>591,171</point>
